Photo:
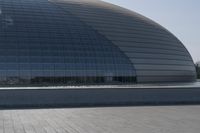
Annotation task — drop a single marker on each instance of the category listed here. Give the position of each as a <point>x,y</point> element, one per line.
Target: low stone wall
<point>97,97</point>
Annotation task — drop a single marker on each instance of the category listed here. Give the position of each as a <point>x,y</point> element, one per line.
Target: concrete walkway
<point>160,119</point>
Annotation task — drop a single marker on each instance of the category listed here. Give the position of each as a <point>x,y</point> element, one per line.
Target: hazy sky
<point>181,17</point>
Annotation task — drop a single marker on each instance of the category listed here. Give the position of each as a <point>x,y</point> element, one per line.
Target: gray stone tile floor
<point>152,119</point>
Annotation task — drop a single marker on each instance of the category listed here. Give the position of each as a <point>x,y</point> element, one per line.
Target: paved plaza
<point>152,119</point>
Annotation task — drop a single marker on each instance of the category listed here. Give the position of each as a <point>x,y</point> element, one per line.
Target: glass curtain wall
<point>42,45</point>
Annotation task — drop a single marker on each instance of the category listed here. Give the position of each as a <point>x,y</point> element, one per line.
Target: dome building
<point>51,42</point>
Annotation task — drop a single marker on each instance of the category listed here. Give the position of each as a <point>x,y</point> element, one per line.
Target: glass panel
<point>44,45</point>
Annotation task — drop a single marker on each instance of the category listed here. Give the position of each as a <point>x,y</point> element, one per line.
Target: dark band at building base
<point>27,81</point>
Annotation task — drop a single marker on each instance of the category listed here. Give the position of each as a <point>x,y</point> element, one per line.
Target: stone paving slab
<point>155,119</point>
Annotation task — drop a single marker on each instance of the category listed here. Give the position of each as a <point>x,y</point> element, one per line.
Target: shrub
<point>198,69</point>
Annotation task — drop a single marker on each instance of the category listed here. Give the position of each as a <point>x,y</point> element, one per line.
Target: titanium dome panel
<point>42,44</point>
<point>158,56</point>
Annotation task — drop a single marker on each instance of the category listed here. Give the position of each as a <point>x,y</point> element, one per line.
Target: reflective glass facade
<point>72,42</point>
<point>41,44</point>
<point>157,55</point>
